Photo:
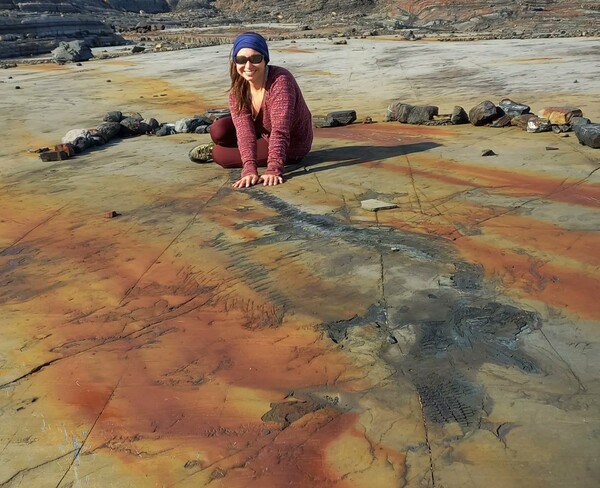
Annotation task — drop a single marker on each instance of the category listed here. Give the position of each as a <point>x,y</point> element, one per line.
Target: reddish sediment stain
<point>188,361</point>
<point>573,290</point>
<point>504,182</point>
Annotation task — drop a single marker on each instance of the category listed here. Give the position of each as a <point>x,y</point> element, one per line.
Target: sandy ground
<point>285,336</point>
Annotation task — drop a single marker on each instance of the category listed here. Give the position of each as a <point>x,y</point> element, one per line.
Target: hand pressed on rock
<point>246,181</point>
<point>271,180</point>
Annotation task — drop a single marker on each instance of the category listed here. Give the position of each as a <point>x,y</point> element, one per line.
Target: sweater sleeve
<point>282,98</point>
<point>246,136</point>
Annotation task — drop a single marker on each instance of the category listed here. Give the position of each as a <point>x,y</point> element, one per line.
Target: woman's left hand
<point>271,180</point>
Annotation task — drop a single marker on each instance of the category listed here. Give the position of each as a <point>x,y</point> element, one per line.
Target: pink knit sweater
<point>284,121</point>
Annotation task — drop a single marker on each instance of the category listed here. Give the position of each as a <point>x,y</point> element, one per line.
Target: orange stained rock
<point>572,288</point>
<point>155,351</point>
<point>521,183</point>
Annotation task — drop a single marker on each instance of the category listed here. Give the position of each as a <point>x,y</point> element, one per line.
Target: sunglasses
<point>254,59</point>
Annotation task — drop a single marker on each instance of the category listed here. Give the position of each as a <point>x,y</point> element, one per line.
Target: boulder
<point>521,120</point>
<point>131,126</point>
<point>588,134</point>
<point>165,130</point>
<point>538,124</point>
<point>106,130</point>
<point>410,114</point>
<point>560,115</point>
<point>513,109</point>
<point>575,121</point>
<point>152,123</point>
<point>81,139</point>
<point>133,115</point>
<point>190,124</point>
<point>69,52</point>
<point>114,116</point>
<point>217,113</point>
<point>459,116</point>
<point>335,119</point>
<point>484,113</point>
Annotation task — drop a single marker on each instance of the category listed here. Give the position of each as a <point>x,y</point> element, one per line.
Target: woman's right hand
<point>246,181</point>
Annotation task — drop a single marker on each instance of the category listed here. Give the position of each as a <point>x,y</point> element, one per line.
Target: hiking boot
<point>202,153</point>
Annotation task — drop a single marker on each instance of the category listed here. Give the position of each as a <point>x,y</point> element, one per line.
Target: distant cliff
<point>34,27</point>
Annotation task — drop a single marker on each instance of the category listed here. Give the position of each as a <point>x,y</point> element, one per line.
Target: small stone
<point>503,121</point>
<point>488,152</point>
<point>375,205</point>
<point>68,149</point>
<point>521,120</point>
<point>538,124</point>
<point>108,81</point>
<point>111,214</point>
<point>551,148</point>
<point>392,340</point>
<point>17,87</point>
<point>367,120</point>
<point>47,156</point>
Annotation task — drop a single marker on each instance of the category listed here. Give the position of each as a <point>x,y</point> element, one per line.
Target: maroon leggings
<point>226,152</point>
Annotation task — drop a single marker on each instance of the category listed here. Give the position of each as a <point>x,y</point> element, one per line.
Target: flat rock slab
<point>374,205</point>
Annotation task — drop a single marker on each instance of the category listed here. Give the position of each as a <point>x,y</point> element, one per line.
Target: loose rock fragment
<point>503,121</point>
<point>335,119</point>
<point>111,214</point>
<point>575,121</point>
<point>114,116</point>
<point>68,149</point>
<point>53,156</point>
<point>588,134</point>
<point>560,115</point>
<point>375,205</point>
<point>488,152</point>
<point>106,130</point>
<point>484,113</point>
<point>68,52</point>
<point>459,116</point>
<point>131,126</point>
<point>538,124</point>
<point>410,114</point>
<point>521,120</point>
<point>80,138</point>
<point>190,124</point>
<point>513,109</point>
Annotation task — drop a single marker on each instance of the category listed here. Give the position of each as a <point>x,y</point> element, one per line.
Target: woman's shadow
<point>339,157</point>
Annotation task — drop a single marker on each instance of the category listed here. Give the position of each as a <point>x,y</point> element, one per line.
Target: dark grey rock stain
<point>467,331</point>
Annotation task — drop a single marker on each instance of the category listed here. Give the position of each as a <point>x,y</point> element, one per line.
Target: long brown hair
<point>239,87</point>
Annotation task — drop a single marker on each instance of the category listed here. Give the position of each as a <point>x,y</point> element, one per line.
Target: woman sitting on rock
<point>270,124</point>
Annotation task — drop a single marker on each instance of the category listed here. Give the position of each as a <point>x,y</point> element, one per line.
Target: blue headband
<point>253,41</point>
